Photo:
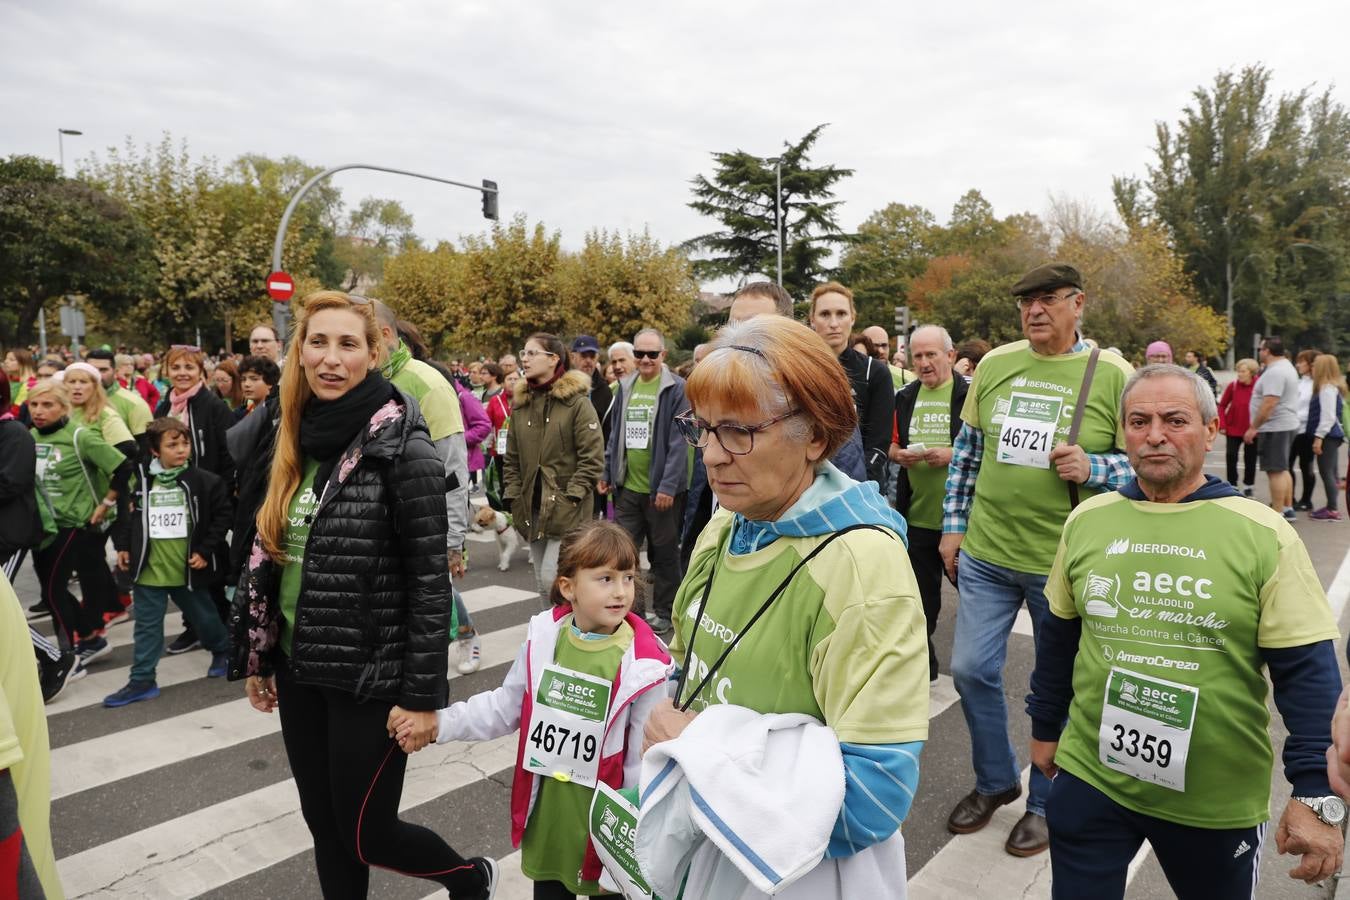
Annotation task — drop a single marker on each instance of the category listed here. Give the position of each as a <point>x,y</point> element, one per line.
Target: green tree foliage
<point>376,230</point>
<point>740,196</point>
<point>891,248</point>
<point>424,287</point>
<point>509,287</point>
<point>59,236</point>
<point>1253,192</point>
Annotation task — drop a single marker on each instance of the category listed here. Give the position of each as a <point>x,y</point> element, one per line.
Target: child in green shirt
<point>171,538</point>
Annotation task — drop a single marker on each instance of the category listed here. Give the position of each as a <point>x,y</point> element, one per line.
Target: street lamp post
<point>778,210</point>
<point>61,144</point>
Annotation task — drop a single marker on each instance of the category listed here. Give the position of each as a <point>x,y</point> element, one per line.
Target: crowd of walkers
<point>800,491</point>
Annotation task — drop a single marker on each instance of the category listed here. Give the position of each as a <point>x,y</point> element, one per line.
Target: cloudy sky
<point>596,114</point>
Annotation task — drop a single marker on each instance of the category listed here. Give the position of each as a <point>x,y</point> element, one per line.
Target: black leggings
<point>349,774</point>
<point>78,550</point>
<point>1236,445</point>
<point>1302,451</point>
<point>556,890</point>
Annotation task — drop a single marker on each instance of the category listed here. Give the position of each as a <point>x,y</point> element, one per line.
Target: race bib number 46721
<point>567,726</point>
<point>1028,432</point>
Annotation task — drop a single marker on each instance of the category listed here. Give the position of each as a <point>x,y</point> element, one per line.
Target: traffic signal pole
<point>281,311</point>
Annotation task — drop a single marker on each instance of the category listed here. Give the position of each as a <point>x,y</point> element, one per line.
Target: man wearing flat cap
<point>1040,428</point>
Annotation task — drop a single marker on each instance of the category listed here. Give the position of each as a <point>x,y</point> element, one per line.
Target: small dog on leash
<point>508,542</point>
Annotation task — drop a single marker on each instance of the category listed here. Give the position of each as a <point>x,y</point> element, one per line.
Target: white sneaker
<point>469,655</point>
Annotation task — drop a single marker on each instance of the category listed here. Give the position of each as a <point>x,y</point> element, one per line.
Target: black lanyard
<point>703,605</point>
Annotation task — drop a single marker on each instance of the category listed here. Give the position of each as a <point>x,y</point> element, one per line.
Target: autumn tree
<point>891,248</point>
<point>616,286</point>
<point>425,288</point>
<point>510,289</point>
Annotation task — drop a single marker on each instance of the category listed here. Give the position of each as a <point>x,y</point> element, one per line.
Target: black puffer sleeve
<point>417,485</point>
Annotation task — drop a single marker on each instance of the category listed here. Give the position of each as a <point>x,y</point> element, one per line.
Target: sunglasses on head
<point>648,354</point>
<point>193,348</point>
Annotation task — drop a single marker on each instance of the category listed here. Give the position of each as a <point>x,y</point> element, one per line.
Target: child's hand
<point>195,561</point>
<point>413,730</point>
<point>123,560</point>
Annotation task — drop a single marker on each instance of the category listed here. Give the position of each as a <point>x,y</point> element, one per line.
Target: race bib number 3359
<point>1146,727</point>
<point>567,726</point>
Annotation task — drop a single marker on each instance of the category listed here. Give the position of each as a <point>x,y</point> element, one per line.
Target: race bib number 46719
<point>567,726</point>
<point>1028,433</point>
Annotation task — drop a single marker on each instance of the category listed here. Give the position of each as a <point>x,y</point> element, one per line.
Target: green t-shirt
<point>70,489</point>
<point>166,558</point>
<point>554,845</point>
<point>900,377</point>
<point>846,641</point>
<point>1039,497</point>
<point>931,426</point>
<point>109,426</point>
<point>131,407</point>
<point>434,395</point>
<point>298,519</point>
<point>1181,597</point>
<point>640,421</point>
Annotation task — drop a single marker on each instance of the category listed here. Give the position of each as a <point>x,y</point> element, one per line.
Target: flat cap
<point>1047,278</point>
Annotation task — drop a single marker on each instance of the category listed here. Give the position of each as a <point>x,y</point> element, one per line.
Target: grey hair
<point>622,346</point>
<point>749,338</point>
<point>659,336</point>
<point>946,338</point>
<point>1204,397</point>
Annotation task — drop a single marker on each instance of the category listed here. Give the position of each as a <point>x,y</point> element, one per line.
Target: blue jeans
<point>990,598</point>
<point>462,620</point>
<point>151,604</point>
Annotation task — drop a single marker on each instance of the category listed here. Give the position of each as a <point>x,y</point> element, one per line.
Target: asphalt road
<point>189,794</point>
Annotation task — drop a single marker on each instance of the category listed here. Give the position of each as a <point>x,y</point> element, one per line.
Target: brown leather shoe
<point>1029,836</point>
<point>976,809</point>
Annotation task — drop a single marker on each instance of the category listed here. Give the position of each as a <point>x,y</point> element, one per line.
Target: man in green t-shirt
<point>1167,601</point>
<point>1016,467</point>
<point>927,418</point>
<point>130,407</point>
<point>646,465</point>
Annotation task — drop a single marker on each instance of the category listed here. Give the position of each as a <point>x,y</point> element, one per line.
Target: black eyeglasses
<point>648,354</point>
<point>738,440</point>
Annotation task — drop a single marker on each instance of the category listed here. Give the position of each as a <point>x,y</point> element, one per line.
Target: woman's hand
<point>262,692</point>
<point>666,723</point>
<point>197,561</point>
<point>412,729</point>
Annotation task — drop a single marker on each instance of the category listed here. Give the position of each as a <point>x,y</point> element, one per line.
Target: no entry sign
<point>280,286</point>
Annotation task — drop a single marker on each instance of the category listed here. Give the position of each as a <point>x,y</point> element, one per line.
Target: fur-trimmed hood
<point>573,384</point>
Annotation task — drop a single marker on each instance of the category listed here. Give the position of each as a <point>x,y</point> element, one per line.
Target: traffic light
<point>489,200</point>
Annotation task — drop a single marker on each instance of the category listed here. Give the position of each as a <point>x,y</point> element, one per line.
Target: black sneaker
<point>56,675</point>
<point>133,692</point>
<point>489,869</point>
<point>39,609</point>
<point>183,643</point>
<point>91,649</point>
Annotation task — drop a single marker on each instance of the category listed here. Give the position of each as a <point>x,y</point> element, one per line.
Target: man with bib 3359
<point>1039,426</point>
<point>1167,601</point>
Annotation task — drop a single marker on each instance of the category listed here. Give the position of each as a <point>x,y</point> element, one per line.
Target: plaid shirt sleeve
<point>1109,471</point>
<point>967,453</point>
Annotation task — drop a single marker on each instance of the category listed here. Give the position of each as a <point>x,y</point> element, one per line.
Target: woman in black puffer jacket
<point>342,614</point>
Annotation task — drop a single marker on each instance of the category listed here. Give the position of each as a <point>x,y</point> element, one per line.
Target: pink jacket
<point>638,687</point>
<point>477,426</point>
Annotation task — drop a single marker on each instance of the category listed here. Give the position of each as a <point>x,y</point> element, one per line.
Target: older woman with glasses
<point>799,600</point>
<point>554,453</point>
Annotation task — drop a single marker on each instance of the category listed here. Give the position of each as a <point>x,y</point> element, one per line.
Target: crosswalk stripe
<point>132,751</point>
<point>102,681</point>
<point>211,847</point>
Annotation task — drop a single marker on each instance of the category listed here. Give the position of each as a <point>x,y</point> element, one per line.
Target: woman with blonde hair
<point>1234,419</point>
<point>799,599</point>
<point>89,406</point>
<point>225,383</point>
<point>342,615</point>
<point>76,469</point>
<point>1325,411</point>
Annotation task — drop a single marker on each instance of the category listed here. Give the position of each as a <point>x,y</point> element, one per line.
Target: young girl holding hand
<point>580,691</point>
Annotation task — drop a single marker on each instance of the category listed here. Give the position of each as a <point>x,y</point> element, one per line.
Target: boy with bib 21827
<point>170,538</point>
<point>580,691</point>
